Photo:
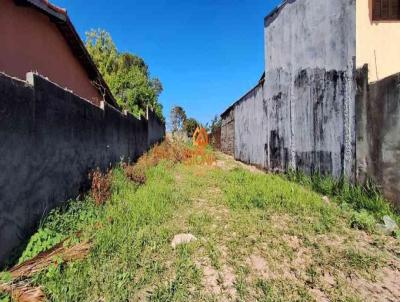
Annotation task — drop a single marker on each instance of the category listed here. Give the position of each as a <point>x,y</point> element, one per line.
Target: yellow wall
<point>378,43</point>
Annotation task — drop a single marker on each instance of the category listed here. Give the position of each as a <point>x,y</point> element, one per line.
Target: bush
<point>136,173</point>
<point>363,221</point>
<point>101,186</point>
<point>167,151</point>
<point>60,224</point>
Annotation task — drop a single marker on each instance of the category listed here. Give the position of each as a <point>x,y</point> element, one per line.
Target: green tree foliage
<point>215,123</point>
<point>178,118</point>
<point>126,74</point>
<point>190,125</point>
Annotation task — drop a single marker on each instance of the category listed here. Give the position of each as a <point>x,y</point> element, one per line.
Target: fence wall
<point>250,128</point>
<point>214,138</point>
<point>302,117</point>
<point>50,140</point>
<point>156,128</point>
<point>228,133</point>
<point>378,133</point>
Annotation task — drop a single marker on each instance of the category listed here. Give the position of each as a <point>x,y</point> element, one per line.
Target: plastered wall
<point>31,42</point>
<point>378,133</point>
<point>309,87</point>
<point>50,140</point>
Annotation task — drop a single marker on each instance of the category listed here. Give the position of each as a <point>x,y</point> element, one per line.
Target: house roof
<point>60,18</point>
<point>260,82</point>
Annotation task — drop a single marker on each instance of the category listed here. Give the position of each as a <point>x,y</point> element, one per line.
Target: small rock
<point>389,226</point>
<point>326,199</point>
<point>182,239</point>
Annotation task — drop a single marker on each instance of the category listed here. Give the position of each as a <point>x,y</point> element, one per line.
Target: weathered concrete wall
<point>305,34</point>
<point>156,128</point>
<point>378,133</point>
<point>310,90</point>
<point>303,117</point>
<point>50,140</point>
<point>228,132</point>
<point>250,128</point>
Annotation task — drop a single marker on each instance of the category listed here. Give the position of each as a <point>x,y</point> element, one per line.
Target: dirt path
<point>260,255</point>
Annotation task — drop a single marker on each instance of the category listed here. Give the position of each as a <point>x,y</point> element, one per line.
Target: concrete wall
<point>31,42</point>
<point>50,140</point>
<point>228,132</point>
<point>303,117</point>
<point>377,43</point>
<point>378,129</point>
<point>156,132</point>
<point>309,88</point>
<point>250,128</point>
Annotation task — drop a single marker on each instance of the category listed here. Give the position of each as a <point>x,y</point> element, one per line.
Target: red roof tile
<point>55,7</point>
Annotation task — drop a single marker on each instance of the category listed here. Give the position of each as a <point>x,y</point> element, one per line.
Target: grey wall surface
<point>310,86</point>
<point>303,117</point>
<point>50,141</point>
<point>378,133</point>
<point>250,128</point>
<point>156,128</point>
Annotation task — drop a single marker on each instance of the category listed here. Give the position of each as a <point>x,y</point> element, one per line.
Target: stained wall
<point>50,140</point>
<point>303,117</point>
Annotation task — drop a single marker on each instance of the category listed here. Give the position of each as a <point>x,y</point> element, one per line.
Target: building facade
<point>307,114</point>
<point>37,36</point>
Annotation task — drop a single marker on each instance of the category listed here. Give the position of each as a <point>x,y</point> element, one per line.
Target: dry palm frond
<point>47,258</point>
<point>24,292</point>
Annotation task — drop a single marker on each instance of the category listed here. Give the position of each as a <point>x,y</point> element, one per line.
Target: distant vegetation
<point>180,121</point>
<point>215,123</point>
<point>126,74</point>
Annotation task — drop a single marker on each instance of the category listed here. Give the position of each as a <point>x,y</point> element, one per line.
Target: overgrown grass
<point>271,193</point>
<point>126,235</point>
<point>234,214</point>
<point>365,203</point>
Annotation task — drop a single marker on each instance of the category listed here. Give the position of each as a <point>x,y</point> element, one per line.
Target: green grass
<point>127,241</point>
<point>234,214</point>
<point>268,192</point>
<point>360,197</point>
<point>365,202</point>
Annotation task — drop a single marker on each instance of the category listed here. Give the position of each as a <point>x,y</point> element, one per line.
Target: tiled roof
<point>55,7</point>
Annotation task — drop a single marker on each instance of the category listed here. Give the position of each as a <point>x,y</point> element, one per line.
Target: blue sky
<point>207,53</point>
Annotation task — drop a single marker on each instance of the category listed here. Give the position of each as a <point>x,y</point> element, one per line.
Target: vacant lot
<point>260,237</point>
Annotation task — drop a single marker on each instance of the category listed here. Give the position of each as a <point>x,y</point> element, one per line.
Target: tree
<point>190,125</point>
<point>178,117</point>
<point>215,123</point>
<point>126,74</point>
